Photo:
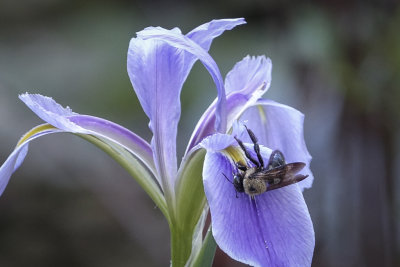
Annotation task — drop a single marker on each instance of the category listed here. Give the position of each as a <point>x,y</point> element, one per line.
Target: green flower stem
<point>181,247</point>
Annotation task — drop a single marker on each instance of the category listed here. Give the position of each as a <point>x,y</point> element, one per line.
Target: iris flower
<point>270,229</point>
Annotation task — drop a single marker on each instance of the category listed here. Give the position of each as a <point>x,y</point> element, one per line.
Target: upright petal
<point>181,42</point>
<point>278,126</point>
<point>274,229</point>
<point>245,84</point>
<point>157,74</point>
<point>248,74</point>
<point>158,67</point>
<point>205,33</point>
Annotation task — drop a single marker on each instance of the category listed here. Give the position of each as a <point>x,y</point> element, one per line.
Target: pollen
<point>236,154</point>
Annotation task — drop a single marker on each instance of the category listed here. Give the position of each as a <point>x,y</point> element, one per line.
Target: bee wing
<point>279,172</point>
<point>281,176</point>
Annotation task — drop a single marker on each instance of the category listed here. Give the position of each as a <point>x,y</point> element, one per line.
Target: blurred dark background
<point>336,61</point>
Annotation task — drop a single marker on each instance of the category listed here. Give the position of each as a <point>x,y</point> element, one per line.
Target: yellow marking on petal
<point>236,154</point>
<point>35,130</point>
<point>263,116</point>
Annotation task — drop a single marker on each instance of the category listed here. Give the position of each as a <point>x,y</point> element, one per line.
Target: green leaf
<point>190,202</point>
<point>190,196</point>
<point>206,255</point>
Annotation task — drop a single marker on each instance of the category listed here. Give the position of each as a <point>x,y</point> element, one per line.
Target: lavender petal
<point>205,33</point>
<point>64,119</point>
<point>245,84</point>
<point>16,158</point>
<point>181,42</point>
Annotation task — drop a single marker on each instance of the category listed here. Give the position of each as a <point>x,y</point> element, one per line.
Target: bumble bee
<point>259,179</point>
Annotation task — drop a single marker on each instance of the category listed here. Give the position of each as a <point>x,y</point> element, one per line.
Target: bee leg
<point>227,178</point>
<point>231,183</point>
<point>247,152</point>
<point>256,146</point>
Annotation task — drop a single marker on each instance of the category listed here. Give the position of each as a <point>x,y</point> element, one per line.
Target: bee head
<point>238,182</point>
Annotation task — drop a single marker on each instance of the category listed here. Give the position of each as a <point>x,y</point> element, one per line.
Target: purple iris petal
<point>205,33</point>
<point>274,229</point>
<point>179,41</point>
<point>64,119</point>
<point>11,165</point>
<point>217,142</point>
<point>278,126</point>
<point>16,158</point>
<point>248,74</point>
<point>245,84</point>
<point>176,39</point>
<point>156,71</point>
<point>51,112</point>
<point>158,68</point>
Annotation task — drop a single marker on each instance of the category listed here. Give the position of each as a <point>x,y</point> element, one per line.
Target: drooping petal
<point>217,142</point>
<point>278,126</point>
<point>115,140</point>
<point>16,158</point>
<point>245,84</point>
<point>158,68</point>
<point>274,229</point>
<point>10,166</point>
<point>286,226</point>
<point>50,111</point>
<point>64,119</point>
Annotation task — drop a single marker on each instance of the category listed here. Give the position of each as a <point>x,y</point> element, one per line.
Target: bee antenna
<point>227,178</point>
